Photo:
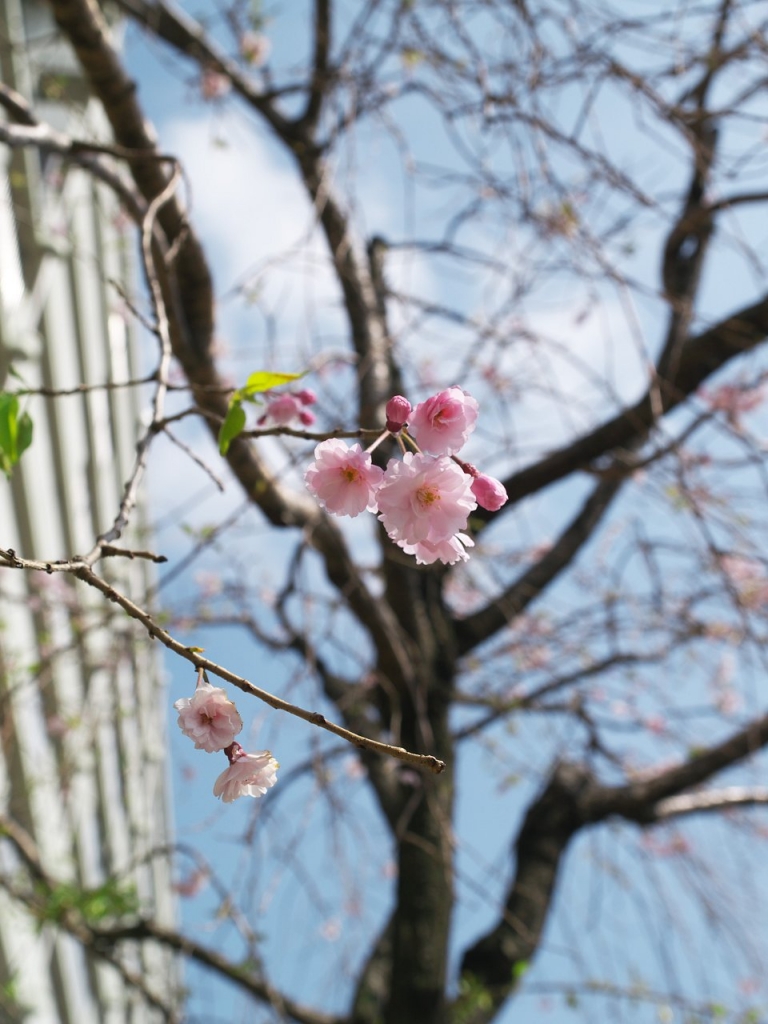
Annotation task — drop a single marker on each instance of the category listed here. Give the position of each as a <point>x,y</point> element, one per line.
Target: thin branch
<point>481,625</point>
<point>702,355</point>
<point>235,973</point>
<point>711,800</point>
<point>84,572</point>
<point>318,89</point>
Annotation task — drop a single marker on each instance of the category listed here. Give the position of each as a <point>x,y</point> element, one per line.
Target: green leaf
<point>263,380</point>
<point>519,968</point>
<point>24,435</point>
<point>232,426</point>
<point>15,432</point>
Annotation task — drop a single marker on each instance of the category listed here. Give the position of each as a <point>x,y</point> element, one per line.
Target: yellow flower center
<point>427,496</point>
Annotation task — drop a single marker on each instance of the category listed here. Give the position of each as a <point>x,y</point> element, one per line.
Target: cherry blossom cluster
<point>212,721</point>
<point>424,499</point>
<point>288,406</point>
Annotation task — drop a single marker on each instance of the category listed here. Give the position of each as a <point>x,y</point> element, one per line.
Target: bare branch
<point>711,800</point>
<point>238,974</point>
<point>481,625</point>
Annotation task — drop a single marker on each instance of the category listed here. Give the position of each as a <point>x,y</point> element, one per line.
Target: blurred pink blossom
<point>193,883</point>
<point>734,401</point>
<point>749,579</point>
<point>282,409</point>
<point>254,48</point>
<point>214,85</point>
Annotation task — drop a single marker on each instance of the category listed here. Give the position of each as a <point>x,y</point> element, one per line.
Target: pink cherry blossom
<point>397,412</point>
<point>247,775</point>
<point>442,424</point>
<point>424,499</point>
<point>489,492</point>
<point>209,718</point>
<point>448,551</point>
<point>282,409</point>
<point>254,48</point>
<point>734,400</point>
<point>343,479</point>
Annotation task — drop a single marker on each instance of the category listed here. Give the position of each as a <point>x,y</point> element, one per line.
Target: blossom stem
<point>405,436</point>
<point>377,442</point>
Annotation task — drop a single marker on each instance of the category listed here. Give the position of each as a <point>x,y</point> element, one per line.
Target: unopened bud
<point>489,492</point>
<point>398,410</point>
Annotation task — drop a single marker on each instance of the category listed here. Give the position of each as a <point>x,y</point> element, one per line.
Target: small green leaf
<point>15,432</point>
<point>24,435</point>
<point>263,380</point>
<point>518,969</point>
<point>232,426</point>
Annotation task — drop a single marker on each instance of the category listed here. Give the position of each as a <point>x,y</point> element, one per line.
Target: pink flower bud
<point>489,491</point>
<point>306,397</point>
<point>398,410</point>
<point>306,417</point>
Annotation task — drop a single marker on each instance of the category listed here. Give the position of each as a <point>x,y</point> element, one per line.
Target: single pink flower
<point>442,424</point>
<point>397,412</point>
<point>448,551</point>
<point>209,718</point>
<point>490,492</point>
<point>424,499</point>
<point>282,409</point>
<point>343,479</point>
<point>247,775</point>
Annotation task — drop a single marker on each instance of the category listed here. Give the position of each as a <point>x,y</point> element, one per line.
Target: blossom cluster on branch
<point>424,499</point>
<point>212,721</point>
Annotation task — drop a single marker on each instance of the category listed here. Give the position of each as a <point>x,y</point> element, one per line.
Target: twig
<point>82,569</point>
<point>108,550</point>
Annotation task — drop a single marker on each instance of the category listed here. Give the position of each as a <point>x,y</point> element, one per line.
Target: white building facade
<point>82,752</point>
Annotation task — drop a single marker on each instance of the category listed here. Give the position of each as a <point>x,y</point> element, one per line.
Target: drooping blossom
<point>489,492</point>
<point>343,479</point>
<point>449,551</point>
<point>397,412</point>
<point>209,718</point>
<point>442,424</point>
<point>247,774</point>
<point>424,499</point>
<point>282,409</point>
